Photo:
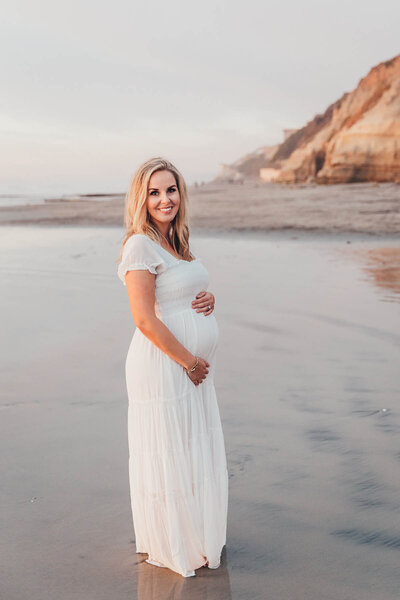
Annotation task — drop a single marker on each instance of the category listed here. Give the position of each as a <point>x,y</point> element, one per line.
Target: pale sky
<point>91,89</point>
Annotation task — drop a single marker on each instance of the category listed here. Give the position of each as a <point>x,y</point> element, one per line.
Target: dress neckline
<point>159,245</point>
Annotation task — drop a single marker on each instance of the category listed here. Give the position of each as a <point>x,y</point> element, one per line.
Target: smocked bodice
<point>177,281</point>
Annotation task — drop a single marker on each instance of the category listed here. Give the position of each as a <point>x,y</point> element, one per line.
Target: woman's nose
<point>164,198</point>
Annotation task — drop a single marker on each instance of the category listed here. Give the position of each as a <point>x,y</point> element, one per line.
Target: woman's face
<point>163,198</point>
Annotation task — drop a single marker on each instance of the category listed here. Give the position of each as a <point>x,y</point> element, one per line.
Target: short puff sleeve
<point>139,253</point>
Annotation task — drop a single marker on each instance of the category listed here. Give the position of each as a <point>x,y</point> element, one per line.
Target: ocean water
<point>21,199</point>
<point>30,199</point>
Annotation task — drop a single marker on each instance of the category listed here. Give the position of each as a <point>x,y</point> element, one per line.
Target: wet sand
<point>365,207</point>
<point>308,388</point>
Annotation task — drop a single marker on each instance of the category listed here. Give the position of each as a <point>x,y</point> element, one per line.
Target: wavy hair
<point>137,218</point>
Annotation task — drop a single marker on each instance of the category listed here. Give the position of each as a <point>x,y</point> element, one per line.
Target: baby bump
<point>207,334</point>
<point>197,332</point>
<point>152,374</point>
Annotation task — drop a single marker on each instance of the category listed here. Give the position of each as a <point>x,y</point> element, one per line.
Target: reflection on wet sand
<point>382,266</point>
<point>155,583</point>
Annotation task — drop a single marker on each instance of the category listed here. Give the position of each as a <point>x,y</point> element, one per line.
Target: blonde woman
<point>177,462</point>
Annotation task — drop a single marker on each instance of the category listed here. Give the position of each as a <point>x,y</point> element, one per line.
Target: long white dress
<point>177,463</point>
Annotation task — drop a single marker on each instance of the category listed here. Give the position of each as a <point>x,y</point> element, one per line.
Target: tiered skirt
<point>177,463</point>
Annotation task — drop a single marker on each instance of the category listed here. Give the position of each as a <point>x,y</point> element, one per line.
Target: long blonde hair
<point>137,218</point>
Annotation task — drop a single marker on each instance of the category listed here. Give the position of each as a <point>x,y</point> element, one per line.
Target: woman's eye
<point>170,190</point>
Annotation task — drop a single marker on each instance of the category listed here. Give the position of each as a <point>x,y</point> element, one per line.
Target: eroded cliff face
<point>356,139</point>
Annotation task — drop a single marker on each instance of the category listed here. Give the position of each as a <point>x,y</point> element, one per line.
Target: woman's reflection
<point>155,583</point>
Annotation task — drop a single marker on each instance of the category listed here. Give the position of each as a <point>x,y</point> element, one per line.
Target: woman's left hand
<point>205,302</point>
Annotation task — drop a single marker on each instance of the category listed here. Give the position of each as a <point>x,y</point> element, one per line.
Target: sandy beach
<point>370,208</point>
<point>308,388</point>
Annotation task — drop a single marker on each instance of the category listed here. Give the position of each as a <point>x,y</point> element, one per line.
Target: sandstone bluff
<point>356,139</point>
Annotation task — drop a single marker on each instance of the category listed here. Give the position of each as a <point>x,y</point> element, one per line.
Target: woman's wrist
<point>191,362</point>
<point>193,367</point>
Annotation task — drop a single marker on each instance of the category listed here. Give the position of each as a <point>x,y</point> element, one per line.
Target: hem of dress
<point>155,563</point>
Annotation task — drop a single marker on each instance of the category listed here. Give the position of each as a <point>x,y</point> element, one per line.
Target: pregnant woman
<point>177,463</point>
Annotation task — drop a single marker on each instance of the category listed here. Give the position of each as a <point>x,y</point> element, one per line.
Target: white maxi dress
<point>177,462</point>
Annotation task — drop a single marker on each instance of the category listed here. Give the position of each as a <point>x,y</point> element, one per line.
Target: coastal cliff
<point>247,166</point>
<point>356,139</point>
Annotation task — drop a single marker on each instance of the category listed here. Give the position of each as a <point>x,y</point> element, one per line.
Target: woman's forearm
<point>158,333</point>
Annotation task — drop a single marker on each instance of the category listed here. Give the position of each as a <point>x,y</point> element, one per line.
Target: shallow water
<point>21,199</point>
<point>308,385</point>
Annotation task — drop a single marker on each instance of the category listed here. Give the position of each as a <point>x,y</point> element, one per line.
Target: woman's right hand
<point>200,372</point>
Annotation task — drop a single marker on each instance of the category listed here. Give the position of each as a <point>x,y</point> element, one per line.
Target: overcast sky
<point>91,89</point>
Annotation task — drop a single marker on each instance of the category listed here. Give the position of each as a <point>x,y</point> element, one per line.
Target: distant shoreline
<point>368,208</point>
